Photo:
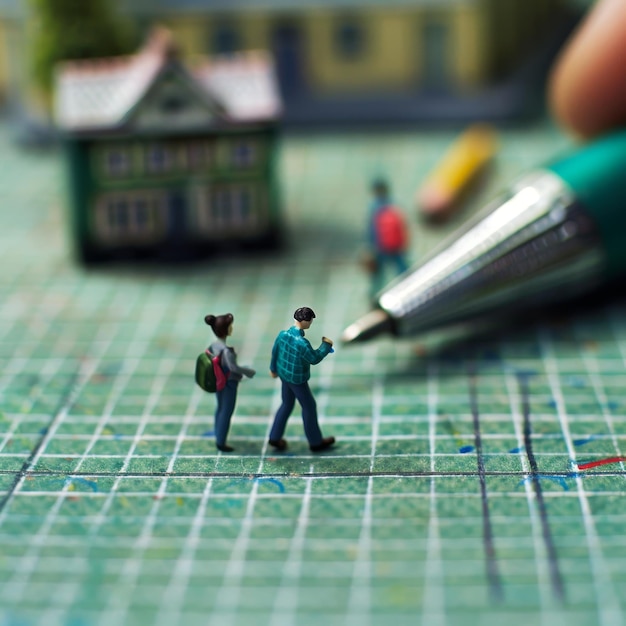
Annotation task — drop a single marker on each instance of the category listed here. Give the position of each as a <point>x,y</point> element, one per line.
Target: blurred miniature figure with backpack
<point>388,238</point>
<point>217,371</point>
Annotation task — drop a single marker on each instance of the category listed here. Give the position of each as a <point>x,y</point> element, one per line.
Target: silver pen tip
<point>374,323</point>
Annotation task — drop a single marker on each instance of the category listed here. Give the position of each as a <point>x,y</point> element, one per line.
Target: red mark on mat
<point>613,459</point>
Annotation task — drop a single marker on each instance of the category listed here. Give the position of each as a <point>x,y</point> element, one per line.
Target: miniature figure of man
<point>387,237</point>
<point>292,357</point>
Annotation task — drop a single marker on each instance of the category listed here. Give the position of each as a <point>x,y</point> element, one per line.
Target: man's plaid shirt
<point>293,355</point>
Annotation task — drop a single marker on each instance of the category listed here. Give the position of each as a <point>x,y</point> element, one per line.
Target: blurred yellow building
<point>13,71</point>
<point>329,50</point>
<point>349,46</point>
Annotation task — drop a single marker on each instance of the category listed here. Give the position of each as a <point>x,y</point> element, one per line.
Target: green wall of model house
<point>89,180</point>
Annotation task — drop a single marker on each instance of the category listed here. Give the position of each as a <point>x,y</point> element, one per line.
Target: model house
<point>167,158</point>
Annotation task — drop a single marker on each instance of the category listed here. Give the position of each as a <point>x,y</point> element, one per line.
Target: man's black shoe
<point>325,443</point>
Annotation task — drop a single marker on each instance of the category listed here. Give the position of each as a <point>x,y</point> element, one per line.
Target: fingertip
<point>587,93</point>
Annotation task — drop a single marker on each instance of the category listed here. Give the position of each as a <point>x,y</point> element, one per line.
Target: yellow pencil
<point>462,164</point>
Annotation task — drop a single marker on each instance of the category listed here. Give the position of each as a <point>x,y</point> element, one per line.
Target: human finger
<point>587,90</point>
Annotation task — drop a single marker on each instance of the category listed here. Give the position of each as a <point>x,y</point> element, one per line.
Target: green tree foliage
<point>76,29</point>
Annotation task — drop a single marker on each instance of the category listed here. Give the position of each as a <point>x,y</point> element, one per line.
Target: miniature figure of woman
<point>222,326</point>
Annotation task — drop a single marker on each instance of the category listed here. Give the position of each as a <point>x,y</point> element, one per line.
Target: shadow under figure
<point>222,326</point>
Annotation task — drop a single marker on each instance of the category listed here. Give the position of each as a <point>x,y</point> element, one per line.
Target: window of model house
<point>159,158</point>
<point>242,205</point>
<point>227,207</point>
<point>117,216</point>
<point>117,161</point>
<point>349,39</point>
<point>124,217</point>
<point>222,207</point>
<point>244,154</point>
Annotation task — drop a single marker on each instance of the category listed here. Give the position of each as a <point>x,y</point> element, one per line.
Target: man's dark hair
<point>304,314</point>
<point>380,187</point>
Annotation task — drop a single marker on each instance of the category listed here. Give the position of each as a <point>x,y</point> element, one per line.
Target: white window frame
<point>240,161</point>
<point>137,229</point>
<point>220,209</point>
<point>169,158</point>
<point>125,165</point>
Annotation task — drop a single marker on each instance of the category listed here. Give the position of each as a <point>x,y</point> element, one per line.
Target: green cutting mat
<point>451,497</point>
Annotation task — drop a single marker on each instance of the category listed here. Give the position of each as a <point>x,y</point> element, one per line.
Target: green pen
<point>558,232</point>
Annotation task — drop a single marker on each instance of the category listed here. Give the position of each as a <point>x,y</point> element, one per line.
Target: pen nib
<point>374,323</point>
